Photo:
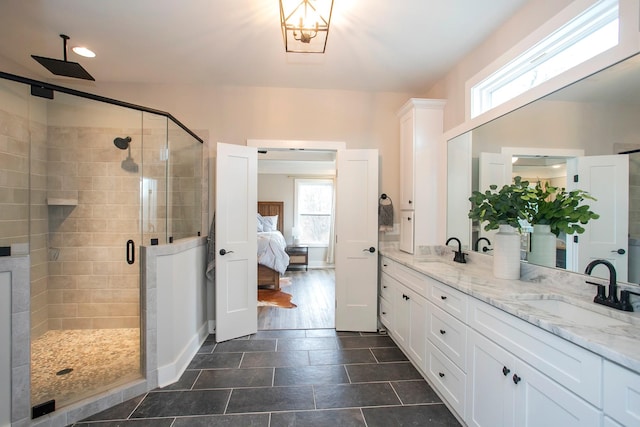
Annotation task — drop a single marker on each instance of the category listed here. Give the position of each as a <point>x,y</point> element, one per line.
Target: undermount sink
<point>567,311</point>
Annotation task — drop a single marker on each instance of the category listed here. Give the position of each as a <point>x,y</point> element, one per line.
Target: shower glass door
<point>85,231</point>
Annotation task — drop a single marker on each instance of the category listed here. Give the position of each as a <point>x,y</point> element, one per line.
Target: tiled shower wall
<point>90,283</point>
<point>19,135</point>
<point>185,186</point>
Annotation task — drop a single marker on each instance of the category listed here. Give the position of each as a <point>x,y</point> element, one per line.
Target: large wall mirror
<point>590,129</point>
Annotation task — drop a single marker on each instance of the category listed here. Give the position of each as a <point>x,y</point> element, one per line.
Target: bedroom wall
<point>273,187</point>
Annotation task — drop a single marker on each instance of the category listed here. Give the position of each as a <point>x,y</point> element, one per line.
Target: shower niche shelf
<point>62,202</point>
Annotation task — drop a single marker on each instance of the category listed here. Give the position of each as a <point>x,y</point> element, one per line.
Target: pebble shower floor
<point>68,365</point>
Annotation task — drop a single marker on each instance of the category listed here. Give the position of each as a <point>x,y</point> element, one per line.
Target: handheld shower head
<point>122,143</point>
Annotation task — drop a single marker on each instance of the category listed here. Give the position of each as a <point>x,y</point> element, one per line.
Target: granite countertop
<point>613,334</point>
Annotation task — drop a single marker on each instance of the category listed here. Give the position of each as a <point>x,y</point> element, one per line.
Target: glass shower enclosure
<point>84,181</point>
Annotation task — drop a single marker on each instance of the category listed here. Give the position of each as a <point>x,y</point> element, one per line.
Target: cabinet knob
<point>384,287</point>
<point>408,218</point>
<point>441,374</point>
<point>505,370</point>
<point>410,201</point>
<point>442,331</point>
<point>516,379</point>
<point>384,312</point>
<point>443,297</point>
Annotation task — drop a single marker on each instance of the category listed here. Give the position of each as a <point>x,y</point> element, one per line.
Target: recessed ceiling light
<point>83,51</point>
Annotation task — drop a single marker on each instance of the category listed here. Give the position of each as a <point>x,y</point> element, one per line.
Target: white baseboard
<point>170,373</point>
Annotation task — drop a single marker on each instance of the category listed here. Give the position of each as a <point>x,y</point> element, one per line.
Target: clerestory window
<point>592,32</point>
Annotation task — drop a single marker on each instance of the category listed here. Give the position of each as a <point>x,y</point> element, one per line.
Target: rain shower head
<point>64,67</point>
<point>122,143</point>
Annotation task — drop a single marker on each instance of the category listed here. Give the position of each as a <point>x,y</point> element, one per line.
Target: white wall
<point>452,86</point>
<point>181,309</point>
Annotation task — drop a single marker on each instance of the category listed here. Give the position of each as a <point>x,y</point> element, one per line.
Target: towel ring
<point>384,196</point>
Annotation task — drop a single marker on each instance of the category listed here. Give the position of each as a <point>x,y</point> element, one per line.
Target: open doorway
<point>303,181</point>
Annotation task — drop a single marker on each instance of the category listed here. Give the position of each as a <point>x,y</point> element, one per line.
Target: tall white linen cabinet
<point>422,153</point>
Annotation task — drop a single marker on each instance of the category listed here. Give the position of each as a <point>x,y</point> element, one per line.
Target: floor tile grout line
<point>137,406</point>
<point>226,406</point>
<point>396,393</point>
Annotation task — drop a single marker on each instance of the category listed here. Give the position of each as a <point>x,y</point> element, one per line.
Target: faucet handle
<point>625,303</point>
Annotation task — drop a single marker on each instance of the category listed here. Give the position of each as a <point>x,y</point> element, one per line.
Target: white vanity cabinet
<point>621,395</point>
<point>403,291</point>
<point>540,378</point>
<point>421,156</point>
<point>505,391</point>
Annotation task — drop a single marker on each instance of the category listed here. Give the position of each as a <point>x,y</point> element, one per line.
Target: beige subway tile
<point>58,311</point>
<point>107,267</point>
<point>93,197</point>
<point>77,323</point>
<point>117,322</point>
<point>93,169</point>
<point>77,267</point>
<point>55,324</point>
<point>93,282</point>
<point>76,296</point>
<point>54,296</point>
<point>92,225</point>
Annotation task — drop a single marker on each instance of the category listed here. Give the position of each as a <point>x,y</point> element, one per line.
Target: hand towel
<point>385,213</point>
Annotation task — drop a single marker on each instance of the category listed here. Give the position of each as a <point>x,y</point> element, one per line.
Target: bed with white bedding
<point>272,258</point>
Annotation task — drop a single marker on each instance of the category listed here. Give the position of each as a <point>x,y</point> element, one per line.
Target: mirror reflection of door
<point>604,177</point>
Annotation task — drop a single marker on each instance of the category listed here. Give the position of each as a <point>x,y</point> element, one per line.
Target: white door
<point>495,168</point>
<point>357,240</point>
<point>607,179</point>
<point>236,290</point>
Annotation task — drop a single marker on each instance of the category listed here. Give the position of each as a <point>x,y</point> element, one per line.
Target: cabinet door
<point>406,160</point>
<point>621,394</point>
<point>400,321</point>
<point>406,231</point>
<point>417,328</point>
<point>541,401</point>
<point>490,398</point>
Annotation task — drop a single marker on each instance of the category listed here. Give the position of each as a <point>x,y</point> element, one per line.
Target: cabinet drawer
<point>386,284</point>
<point>415,281</point>
<point>447,378</point>
<point>575,368</point>
<point>621,394</point>
<point>385,313</point>
<point>387,265</point>
<point>448,299</point>
<point>449,335</point>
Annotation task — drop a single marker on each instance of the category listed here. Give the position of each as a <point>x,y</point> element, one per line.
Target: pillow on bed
<point>260,221</point>
<point>270,223</point>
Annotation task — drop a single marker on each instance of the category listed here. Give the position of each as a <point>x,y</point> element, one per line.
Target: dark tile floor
<point>314,377</point>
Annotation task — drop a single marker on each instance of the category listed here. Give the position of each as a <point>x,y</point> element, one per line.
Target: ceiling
<point>373,45</point>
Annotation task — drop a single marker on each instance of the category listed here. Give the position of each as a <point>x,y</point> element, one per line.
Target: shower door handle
<point>131,252</point>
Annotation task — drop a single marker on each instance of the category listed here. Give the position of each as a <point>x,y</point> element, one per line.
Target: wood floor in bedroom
<point>314,294</point>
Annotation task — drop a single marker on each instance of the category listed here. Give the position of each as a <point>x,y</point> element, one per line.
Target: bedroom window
<point>314,211</point>
<point>592,32</point>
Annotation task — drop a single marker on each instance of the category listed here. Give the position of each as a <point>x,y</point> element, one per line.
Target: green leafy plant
<point>562,210</point>
<point>502,207</point>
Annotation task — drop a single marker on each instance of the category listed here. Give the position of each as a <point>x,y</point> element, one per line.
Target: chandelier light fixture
<point>305,25</point>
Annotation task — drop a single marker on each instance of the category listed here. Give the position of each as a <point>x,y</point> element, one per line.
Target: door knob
<point>371,249</point>
<point>620,251</point>
<point>223,252</point>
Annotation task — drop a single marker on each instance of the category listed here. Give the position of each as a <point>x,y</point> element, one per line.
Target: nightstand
<point>298,256</point>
